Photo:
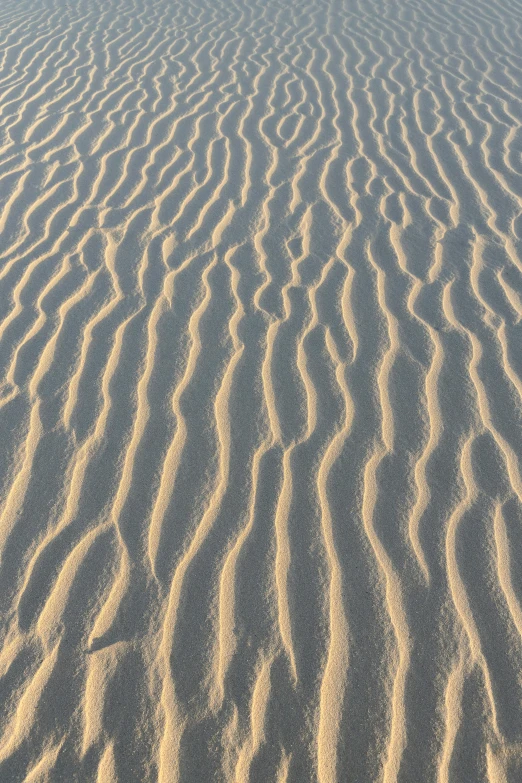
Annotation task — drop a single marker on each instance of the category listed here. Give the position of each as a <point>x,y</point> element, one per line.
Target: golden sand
<point>261,384</point>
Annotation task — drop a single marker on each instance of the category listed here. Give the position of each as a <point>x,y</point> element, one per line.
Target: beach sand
<point>260,410</point>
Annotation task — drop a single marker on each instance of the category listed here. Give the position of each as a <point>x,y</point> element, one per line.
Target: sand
<point>261,383</point>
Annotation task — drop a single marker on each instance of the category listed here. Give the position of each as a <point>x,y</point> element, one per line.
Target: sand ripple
<point>261,396</point>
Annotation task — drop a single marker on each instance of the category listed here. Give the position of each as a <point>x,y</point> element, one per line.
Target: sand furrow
<point>260,405</point>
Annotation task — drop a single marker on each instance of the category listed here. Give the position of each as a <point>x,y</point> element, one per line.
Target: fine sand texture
<point>261,391</point>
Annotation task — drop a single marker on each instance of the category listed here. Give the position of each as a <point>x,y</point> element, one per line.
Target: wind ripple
<point>261,393</point>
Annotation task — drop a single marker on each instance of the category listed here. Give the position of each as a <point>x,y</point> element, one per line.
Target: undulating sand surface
<point>260,412</point>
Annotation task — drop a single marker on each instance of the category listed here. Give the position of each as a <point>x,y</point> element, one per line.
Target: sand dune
<point>261,391</point>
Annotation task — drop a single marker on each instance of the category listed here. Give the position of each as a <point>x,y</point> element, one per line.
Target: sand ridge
<point>261,391</point>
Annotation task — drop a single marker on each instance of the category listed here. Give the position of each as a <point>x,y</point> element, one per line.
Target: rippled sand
<point>260,412</point>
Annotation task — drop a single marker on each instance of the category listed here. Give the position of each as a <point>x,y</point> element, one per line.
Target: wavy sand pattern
<point>260,412</point>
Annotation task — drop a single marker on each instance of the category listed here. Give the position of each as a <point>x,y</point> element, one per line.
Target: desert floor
<point>261,391</point>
